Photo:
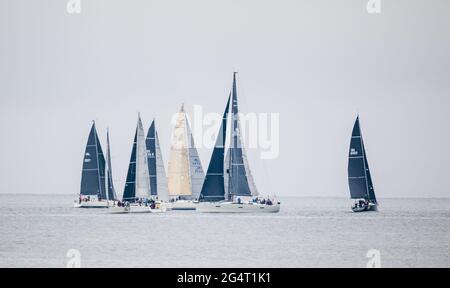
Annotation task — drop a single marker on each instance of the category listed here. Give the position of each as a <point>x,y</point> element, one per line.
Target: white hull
<point>183,205</point>
<point>92,204</point>
<point>119,210</point>
<point>168,205</point>
<point>229,207</point>
<point>139,209</point>
<point>136,209</point>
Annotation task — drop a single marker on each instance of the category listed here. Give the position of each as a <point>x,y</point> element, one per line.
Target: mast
<point>238,181</point>
<point>107,166</point>
<point>111,191</point>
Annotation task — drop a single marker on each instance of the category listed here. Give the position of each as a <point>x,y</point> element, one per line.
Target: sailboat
<point>137,193</point>
<point>229,185</point>
<point>158,179</point>
<point>93,191</point>
<point>359,178</point>
<point>186,174</point>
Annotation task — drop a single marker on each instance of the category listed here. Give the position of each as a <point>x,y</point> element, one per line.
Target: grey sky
<point>317,63</point>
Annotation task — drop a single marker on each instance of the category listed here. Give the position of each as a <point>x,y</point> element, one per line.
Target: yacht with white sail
<point>185,176</point>
<point>229,186</point>
<point>137,197</point>
<point>359,177</point>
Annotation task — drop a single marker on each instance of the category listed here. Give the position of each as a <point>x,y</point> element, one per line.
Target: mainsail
<point>359,178</point>
<point>185,170</point>
<point>110,184</point>
<point>93,172</point>
<point>238,182</point>
<point>158,178</point>
<point>138,182</point>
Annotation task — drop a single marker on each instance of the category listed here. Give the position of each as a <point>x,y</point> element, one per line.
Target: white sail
<point>179,178</point>
<point>195,165</point>
<point>163,191</point>
<point>142,174</point>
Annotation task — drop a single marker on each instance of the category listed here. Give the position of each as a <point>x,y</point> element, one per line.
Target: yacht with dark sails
<point>359,177</point>
<point>158,180</point>
<point>229,185</point>
<point>96,191</point>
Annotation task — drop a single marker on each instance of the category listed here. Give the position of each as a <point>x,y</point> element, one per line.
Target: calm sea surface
<point>38,231</point>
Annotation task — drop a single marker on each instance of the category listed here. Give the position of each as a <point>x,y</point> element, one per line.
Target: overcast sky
<point>317,63</point>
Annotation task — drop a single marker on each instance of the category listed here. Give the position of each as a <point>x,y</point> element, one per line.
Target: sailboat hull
<point>228,207</point>
<point>91,204</point>
<point>119,210</point>
<point>183,205</point>
<point>139,209</point>
<point>371,207</point>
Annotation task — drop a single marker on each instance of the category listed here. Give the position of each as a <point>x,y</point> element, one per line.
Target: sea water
<point>45,231</point>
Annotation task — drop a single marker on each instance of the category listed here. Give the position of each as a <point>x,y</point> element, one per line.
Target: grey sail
<point>213,188</point>
<point>163,188</point>
<point>129,193</point>
<point>195,165</point>
<point>359,178</point>
<point>158,178</point>
<point>93,172</point>
<point>238,181</point>
<point>142,174</point>
<point>110,184</point>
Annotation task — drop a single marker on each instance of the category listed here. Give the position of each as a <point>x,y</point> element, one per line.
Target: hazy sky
<point>317,63</point>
